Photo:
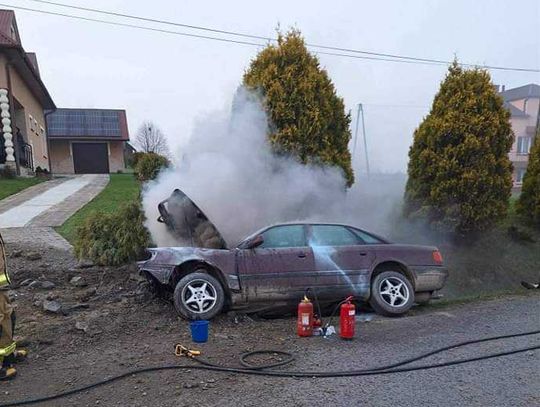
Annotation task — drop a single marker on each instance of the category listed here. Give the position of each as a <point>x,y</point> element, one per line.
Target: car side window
<point>284,236</point>
<point>366,237</point>
<point>332,235</point>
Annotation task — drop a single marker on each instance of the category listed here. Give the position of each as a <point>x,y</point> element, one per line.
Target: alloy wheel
<point>394,292</point>
<point>199,296</point>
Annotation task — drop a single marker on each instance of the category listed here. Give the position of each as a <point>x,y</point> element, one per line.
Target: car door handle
<point>363,253</point>
<point>301,255</point>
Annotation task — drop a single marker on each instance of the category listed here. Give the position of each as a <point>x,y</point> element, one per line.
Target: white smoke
<point>227,168</point>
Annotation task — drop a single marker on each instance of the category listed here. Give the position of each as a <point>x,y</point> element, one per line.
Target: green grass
<point>121,188</point>
<point>12,186</point>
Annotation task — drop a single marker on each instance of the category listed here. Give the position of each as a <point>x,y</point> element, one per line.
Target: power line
<point>251,36</point>
<point>128,25</point>
<point>410,60</point>
<point>398,106</point>
<point>114,23</point>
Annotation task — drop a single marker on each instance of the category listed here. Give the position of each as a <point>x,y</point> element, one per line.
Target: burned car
<point>276,265</point>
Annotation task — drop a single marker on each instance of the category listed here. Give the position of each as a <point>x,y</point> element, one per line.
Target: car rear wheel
<point>392,294</point>
<point>198,296</point>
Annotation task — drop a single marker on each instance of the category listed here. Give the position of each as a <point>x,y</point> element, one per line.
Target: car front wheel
<point>392,294</point>
<point>198,296</point>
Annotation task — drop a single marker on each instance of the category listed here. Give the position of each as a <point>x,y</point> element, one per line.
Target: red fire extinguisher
<point>346,319</point>
<point>305,317</point>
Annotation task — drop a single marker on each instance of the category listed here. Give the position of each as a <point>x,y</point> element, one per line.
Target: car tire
<point>198,296</point>
<point>392,294</point>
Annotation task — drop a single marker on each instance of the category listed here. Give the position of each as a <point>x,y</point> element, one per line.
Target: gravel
<point>110,331</point>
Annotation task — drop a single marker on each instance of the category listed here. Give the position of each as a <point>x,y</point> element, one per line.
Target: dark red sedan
<point>276,265</point>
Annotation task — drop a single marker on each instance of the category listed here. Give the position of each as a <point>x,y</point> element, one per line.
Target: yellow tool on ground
<point>181,350</point>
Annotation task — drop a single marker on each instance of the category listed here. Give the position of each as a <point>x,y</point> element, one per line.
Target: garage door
<point>90,158</point>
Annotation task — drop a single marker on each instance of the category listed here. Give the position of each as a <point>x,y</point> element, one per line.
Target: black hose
<point>289,358</point>
<point>258,370</point>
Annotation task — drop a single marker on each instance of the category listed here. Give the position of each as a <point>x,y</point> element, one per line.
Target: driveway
<point>32,214</point>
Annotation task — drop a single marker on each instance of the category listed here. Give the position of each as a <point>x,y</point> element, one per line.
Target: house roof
<point>514,111</point>
<point>532,90</point>
<point>87,124</point>
<point>24,63</point>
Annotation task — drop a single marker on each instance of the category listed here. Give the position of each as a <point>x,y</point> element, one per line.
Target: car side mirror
<point>256,242</point>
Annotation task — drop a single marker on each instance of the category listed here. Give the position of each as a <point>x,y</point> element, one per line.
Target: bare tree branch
<point>150,139</point>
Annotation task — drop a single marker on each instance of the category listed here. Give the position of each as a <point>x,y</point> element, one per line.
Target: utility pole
<point>356,132</point>
<point>361,113</point>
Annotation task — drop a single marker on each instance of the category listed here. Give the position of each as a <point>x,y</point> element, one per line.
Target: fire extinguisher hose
<point>262,370</point>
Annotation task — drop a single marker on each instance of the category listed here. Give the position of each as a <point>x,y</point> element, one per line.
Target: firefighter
<point>9,355</point>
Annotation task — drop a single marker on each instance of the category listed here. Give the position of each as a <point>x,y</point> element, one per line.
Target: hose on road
<point>262,370</point>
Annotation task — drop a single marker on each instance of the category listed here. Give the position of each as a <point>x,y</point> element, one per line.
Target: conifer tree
<point>528,206</point>
<point>308,119</point>
<point>460,176</point>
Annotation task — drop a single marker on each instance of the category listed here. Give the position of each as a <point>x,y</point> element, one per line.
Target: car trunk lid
<point>189,223</point>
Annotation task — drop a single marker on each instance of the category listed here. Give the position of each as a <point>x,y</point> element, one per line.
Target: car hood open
<point>189,223</point>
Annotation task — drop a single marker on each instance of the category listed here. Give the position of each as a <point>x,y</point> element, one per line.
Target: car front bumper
<point>429,278</point>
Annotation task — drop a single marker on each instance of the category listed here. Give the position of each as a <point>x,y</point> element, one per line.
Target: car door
<point>281,268</point>
<point>342,260</point>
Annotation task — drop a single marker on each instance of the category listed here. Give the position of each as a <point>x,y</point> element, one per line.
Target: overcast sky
<point>174,80</point>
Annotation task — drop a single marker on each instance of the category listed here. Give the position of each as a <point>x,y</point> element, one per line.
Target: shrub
<point>134,159</point>
<point>113,239</point>
<point>149,165</point>
<point>307,117</point>
<point>528,205</point>
<point>42,172</point>
<point>460,176</point>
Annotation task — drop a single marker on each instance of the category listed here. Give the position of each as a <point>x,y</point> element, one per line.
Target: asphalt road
<point>148,339</point>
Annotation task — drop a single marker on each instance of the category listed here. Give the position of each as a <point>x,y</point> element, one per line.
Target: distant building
<point>34,133</point>
<point>87,141</point>
<point>23,100</point>
<point>524,105</point>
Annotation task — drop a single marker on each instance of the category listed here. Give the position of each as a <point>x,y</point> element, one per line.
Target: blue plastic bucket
<point>199,331</point>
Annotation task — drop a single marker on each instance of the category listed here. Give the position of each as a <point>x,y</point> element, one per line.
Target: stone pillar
<point>6,128</point>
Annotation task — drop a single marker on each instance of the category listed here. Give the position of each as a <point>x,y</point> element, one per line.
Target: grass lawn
<point>121,188</point>
<point>12,186</point>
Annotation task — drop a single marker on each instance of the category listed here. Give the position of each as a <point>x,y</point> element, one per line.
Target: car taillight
<point>437,257</point>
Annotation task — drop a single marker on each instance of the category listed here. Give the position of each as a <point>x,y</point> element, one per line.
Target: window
<point>520,173</point>
<point>43,142</point>
<point>284,236</point>
<point>31,120</point>
<point>332,235</point>
<point>366,237</point>
<point>524,145</point>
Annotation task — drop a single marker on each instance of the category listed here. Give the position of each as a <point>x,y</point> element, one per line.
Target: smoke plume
<point>228,169</point>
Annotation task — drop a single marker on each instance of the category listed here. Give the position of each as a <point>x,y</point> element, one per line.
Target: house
<point>83,141</point>
<point>36,134</point>
<point>23,101</point>
<point>524,105</point>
